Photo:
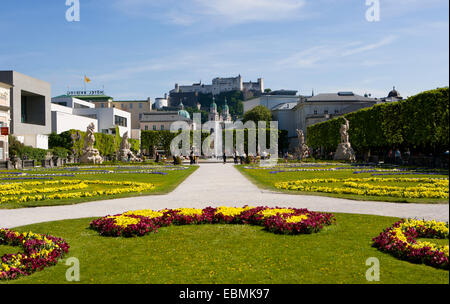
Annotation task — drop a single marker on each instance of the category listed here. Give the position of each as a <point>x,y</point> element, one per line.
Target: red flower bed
<point>39,251</point>
<point>400,240</point>
<point>277,220</point>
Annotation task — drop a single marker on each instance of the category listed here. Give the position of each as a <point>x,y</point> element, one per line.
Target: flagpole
<point>85,84</point>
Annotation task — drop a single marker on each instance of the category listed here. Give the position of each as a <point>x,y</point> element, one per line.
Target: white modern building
<point>72,113</point>
<point>220,85</point>
<point>29,108</point>
<point>64,115</point>
<point>272,100</point>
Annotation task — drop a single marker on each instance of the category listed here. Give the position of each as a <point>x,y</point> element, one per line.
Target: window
<point>140,116</point>
<point>102,105</point>
<point>315,112</point>
<point>162,127</point>
<point>131,106</point>
<point>154,127</point>
<point>120,121</point>
<point>146,128</point>
<point>336,111</point>
<point>32,108</point>
<point>325,112</point>
<point>140,106</point>
<point>123,106</point>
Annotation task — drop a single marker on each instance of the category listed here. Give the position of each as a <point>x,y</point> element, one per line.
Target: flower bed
<point>400,241</point>
<point>277,220</point>
<point>427,187</point>
<point>51,190</point>
<point>39,251</point>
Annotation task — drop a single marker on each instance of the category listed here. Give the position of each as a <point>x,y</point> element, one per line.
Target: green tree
<point>258,113</point>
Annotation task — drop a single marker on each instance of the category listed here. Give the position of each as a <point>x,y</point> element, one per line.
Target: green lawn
<point>264,179</point>
<point>163,184</point>
<point>230,254</point>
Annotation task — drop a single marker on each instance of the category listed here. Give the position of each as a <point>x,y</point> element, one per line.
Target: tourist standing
<point>157,157</point>
<point>398,157</point>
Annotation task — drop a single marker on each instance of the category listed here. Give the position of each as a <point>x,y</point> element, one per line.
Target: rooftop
<point>339,97</point>
<point>167,116</point>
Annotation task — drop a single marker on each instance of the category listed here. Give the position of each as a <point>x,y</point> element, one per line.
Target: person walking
<point>191,157</point>
<point>224,158</point>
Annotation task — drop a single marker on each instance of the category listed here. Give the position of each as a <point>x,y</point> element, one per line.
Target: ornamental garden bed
<point>231,253</point>
<point>45,187</point>
<point>277,220</point>
<point>352,182</point>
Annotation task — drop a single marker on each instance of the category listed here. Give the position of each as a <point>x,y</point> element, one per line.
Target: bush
<point>19,150</point>
<point>60,152</point>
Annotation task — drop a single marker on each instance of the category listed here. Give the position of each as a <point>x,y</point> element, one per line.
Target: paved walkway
<point>218,185</point>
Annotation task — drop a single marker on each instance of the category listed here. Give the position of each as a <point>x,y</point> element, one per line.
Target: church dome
<point>213,106</point>
<point>184,114</point>
<point>225,107</point>
<point>394,93</point>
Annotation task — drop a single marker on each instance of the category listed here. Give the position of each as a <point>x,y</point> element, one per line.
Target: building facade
<point>220,85</point>
<point>73,113</point>
<point>135,107</point>
<point>162,120</point>
<point>30,112</point>
<point>271,100</point>
<point>64,117</point>
<point>5,119</point>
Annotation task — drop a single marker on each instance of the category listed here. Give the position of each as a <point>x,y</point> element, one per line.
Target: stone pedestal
<point>123,155</point>
<point>303,151</point>
<point>345,152</point>
<point>91,156</point>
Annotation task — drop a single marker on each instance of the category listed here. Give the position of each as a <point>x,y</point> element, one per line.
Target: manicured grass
<point>231,254</point>
<point>163,184</point>
<point>264,179</point>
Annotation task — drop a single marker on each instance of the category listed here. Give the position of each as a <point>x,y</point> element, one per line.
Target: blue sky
<point>141,48</point>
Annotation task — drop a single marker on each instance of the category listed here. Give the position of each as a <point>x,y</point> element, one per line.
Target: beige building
<point>5,119</point>
<point>136,107</point>
<point>162,120</point>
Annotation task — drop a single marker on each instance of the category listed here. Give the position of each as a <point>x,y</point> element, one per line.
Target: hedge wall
<point>107,145</point>
<point>420,122</point>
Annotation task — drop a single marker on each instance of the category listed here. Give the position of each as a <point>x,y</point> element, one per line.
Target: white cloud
<point>369,47</point>
<point>327,53</point>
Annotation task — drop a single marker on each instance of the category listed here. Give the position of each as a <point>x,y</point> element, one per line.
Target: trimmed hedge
<point>73,140</point>
<point>19,150</point>
<point>420,122</point>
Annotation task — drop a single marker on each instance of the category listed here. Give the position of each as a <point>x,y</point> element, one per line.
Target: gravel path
<point>215,185</point>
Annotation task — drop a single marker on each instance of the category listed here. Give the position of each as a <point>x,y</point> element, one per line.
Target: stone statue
<point>125,153</point>
<point>301,137</point>
<point>345,150</point>
<point>90,154</point>
<point>89,139</point>
<point>344,131</point>
<point>302,149</point>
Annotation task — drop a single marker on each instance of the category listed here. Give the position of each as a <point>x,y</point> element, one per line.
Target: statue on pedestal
<point>90,154</point>
<point>125,153</point>
<point>302,149</point>
<point>345,150</point>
